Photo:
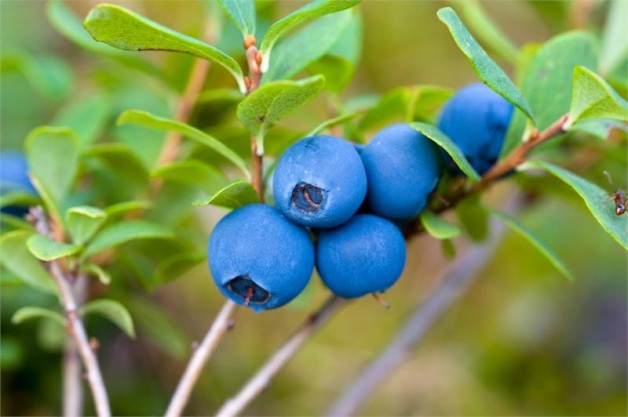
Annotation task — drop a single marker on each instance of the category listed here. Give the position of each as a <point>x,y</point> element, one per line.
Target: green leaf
<point>121,159</point>
<point>438,227</point>
<point>142,118</point>
<point>83,222</point>
<point>112,310</point>
<point>126,206</point>
<point>46,249</point>
<point>242,12</point>
<point>53,159</point>
<point>16,257</point>
<point>310,11</point>
<point>614,39</point>
<point>87,117</point>
<point>473,218</point>
<point>487,31</point>
<point>30,313</point>
<point>483,65</point>
<point>269,103</point>
<point>295,53</point>
<point>192,172</point>
<point>129,31</point>
<point>518,227</point>
<point>123,232</point>
<point>593,98</point>
<point>597,200</point>
<point>331,122</point>
<point>548,80</point>
<point>449,146</point>
<point>338,71</point>
<point>18,198</point>
<point>48,74</point>
<point>94,270</point>
<point>174,266</point>
<point>237,194</point>
<point>600,128</point>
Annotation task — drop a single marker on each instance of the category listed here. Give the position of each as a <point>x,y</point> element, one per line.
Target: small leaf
<point>16,257</point>
<point>123,232</point>
<point>600,128</point>
<point>449,146</point>
<point>518,227</point>
<point>126,206</point>
<point>331,122</point>
<point>242,12</point>
<point>237,194</point>
<point>98,272</point>
<point>192,172</point>
<point>53,159</point>
<point>46,249</point>
<point>265,106</point>
<point>87,117</point>
<point>438,227</point>
<point>30,313</point>
<point>295,53</point>
<point>473,218</point>
<point>120,159</point>
<point>142,118</point>
<point>310,11</point>
<point>48,74</point>
<point>614,40</point>
<point>112,310</point>
<point>129,31</point>
<point>593,98</point>
<point>597,200</point>
<point>83,222</point>
<point>483,65</point>
<point>18,198</point>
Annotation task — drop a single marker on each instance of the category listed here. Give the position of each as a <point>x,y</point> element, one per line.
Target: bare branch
<point>72,370</point>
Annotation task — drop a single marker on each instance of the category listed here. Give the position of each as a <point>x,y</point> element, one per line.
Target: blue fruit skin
<point>476,119</point>
<point>258,241</point>
<point>365,255</point>
<point>402,169</point>
<point>330,164</point>
<point>14,177</point>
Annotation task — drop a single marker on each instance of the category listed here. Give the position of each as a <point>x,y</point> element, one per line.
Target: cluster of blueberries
<point>351,199</point>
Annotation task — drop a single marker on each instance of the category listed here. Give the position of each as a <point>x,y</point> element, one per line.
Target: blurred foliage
<point>523,341</point>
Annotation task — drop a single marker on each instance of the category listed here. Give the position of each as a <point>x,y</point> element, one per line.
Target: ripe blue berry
<point>319,182</point>
<point>14,178</point>
<point>259,258</point>
<point>476,119</point>
<point>402,168</point>
<point>365,255</point>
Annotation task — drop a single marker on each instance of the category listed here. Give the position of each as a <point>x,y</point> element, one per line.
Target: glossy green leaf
<point>529,235</point>
<point>331,122</point>
<point>53,159</point>
<point>593,98</point>
<point>296,52</point>
<point>598,201</point>
<point>119,233</point>
<point>145,119</point>
<point>16,257</point>
<point>30,313</point>
<point>310,11</point>
<point>46,249</point>
<point>192,172</point>
<point>96,271</point>
<point>548,79</point>
<point>449,146</point>
<point>473,218</point>
<point>614,40</point>
<point>83,222</point>
<point>438,227</point>
<point>265,106</point>
<point>487,31</point>
<point>87,116</point>
<point>112,310</point>
<point>242,13</point>
<point>129,31</point>
<point>483,65</point>
<point>48,74</point>
<point>234,195</point>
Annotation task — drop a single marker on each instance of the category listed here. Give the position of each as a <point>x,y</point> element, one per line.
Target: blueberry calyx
<point>248,290</point>
<point>307,197</point>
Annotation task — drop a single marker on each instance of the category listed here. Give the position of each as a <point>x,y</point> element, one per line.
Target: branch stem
<point>72,370</point>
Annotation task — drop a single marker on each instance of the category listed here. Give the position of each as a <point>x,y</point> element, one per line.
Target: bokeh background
<point>522,341</point>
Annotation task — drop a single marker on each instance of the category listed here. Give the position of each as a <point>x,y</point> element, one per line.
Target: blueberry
<point>14,178</point>
<point>259,258</point>
<point>476,119</point>
<point>319,182</point>
<point>365,255</point>
<point>402,168</point>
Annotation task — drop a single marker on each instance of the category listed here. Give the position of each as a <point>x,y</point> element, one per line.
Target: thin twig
<point>219,327</point>
<point>265,374</point>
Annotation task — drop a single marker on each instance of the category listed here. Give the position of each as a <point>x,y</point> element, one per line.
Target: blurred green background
<point>522,341</point>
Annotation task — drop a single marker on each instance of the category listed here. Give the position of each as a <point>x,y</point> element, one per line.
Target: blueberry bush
<point>169,170</point>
